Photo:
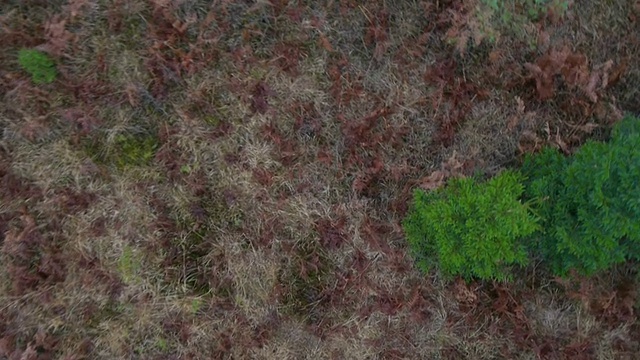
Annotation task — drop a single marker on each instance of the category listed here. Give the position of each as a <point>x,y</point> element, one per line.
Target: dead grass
<point>287,139</point>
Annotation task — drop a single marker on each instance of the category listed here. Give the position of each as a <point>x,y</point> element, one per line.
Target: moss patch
<point>39,65</point>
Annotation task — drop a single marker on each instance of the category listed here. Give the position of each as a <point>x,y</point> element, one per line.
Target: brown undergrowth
<point>227,180</point>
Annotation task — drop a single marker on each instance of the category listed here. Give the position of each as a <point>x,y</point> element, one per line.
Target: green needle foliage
<point>589,203</point>
<point>471,229</point>
<point>39,65</point>
<point>543,184</point>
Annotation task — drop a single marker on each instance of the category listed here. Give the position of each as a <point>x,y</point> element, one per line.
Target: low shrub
<point>471,228</point>
<point>589,203</point>
<point>581,213</point>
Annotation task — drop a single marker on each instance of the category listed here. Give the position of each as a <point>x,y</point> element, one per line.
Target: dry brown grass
<point>290,136</point>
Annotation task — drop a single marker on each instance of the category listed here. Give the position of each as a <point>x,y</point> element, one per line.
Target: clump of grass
<point>191,254</point>
<point>491,19</point>
<point>39,65</point>
<point>194,248</point>
<point>305,280</point>
<point>128,150</point>
<point>134,150</point>
<point>129,264</point>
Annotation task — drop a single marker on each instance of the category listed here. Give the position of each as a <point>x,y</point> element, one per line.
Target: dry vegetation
<point>226,179</point>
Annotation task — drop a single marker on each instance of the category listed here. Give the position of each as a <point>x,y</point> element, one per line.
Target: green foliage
<point>39,65</point>
<point>543,183</point>
<point>588,206</point>
<point>589,203</point>
<point>471,229</point>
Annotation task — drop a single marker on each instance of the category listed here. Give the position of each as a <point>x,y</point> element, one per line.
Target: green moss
<point>39,65</point>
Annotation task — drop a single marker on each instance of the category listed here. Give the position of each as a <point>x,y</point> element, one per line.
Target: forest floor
<point>227,179</point>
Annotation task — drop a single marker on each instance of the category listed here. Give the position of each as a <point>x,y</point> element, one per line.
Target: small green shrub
<point>471,229</point>
<point>39,65</point>
<point>543,184</point>
<point>589,203</point>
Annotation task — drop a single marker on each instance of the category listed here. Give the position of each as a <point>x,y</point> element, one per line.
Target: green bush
<point>581,213</point>
<point>471,229</point>
<point>589,203</point>
<point>543,184</point>
<point>39,65</point>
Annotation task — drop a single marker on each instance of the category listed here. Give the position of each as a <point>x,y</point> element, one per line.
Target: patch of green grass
<point>196,305</point>
<point>494,18</point>
<point>162,344</point>
<point>129,264</point>
<point>135,150</point>
<point>39,65</point>
<point>212,120</point>
<point>126,151</point>
<point>195,248</point>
